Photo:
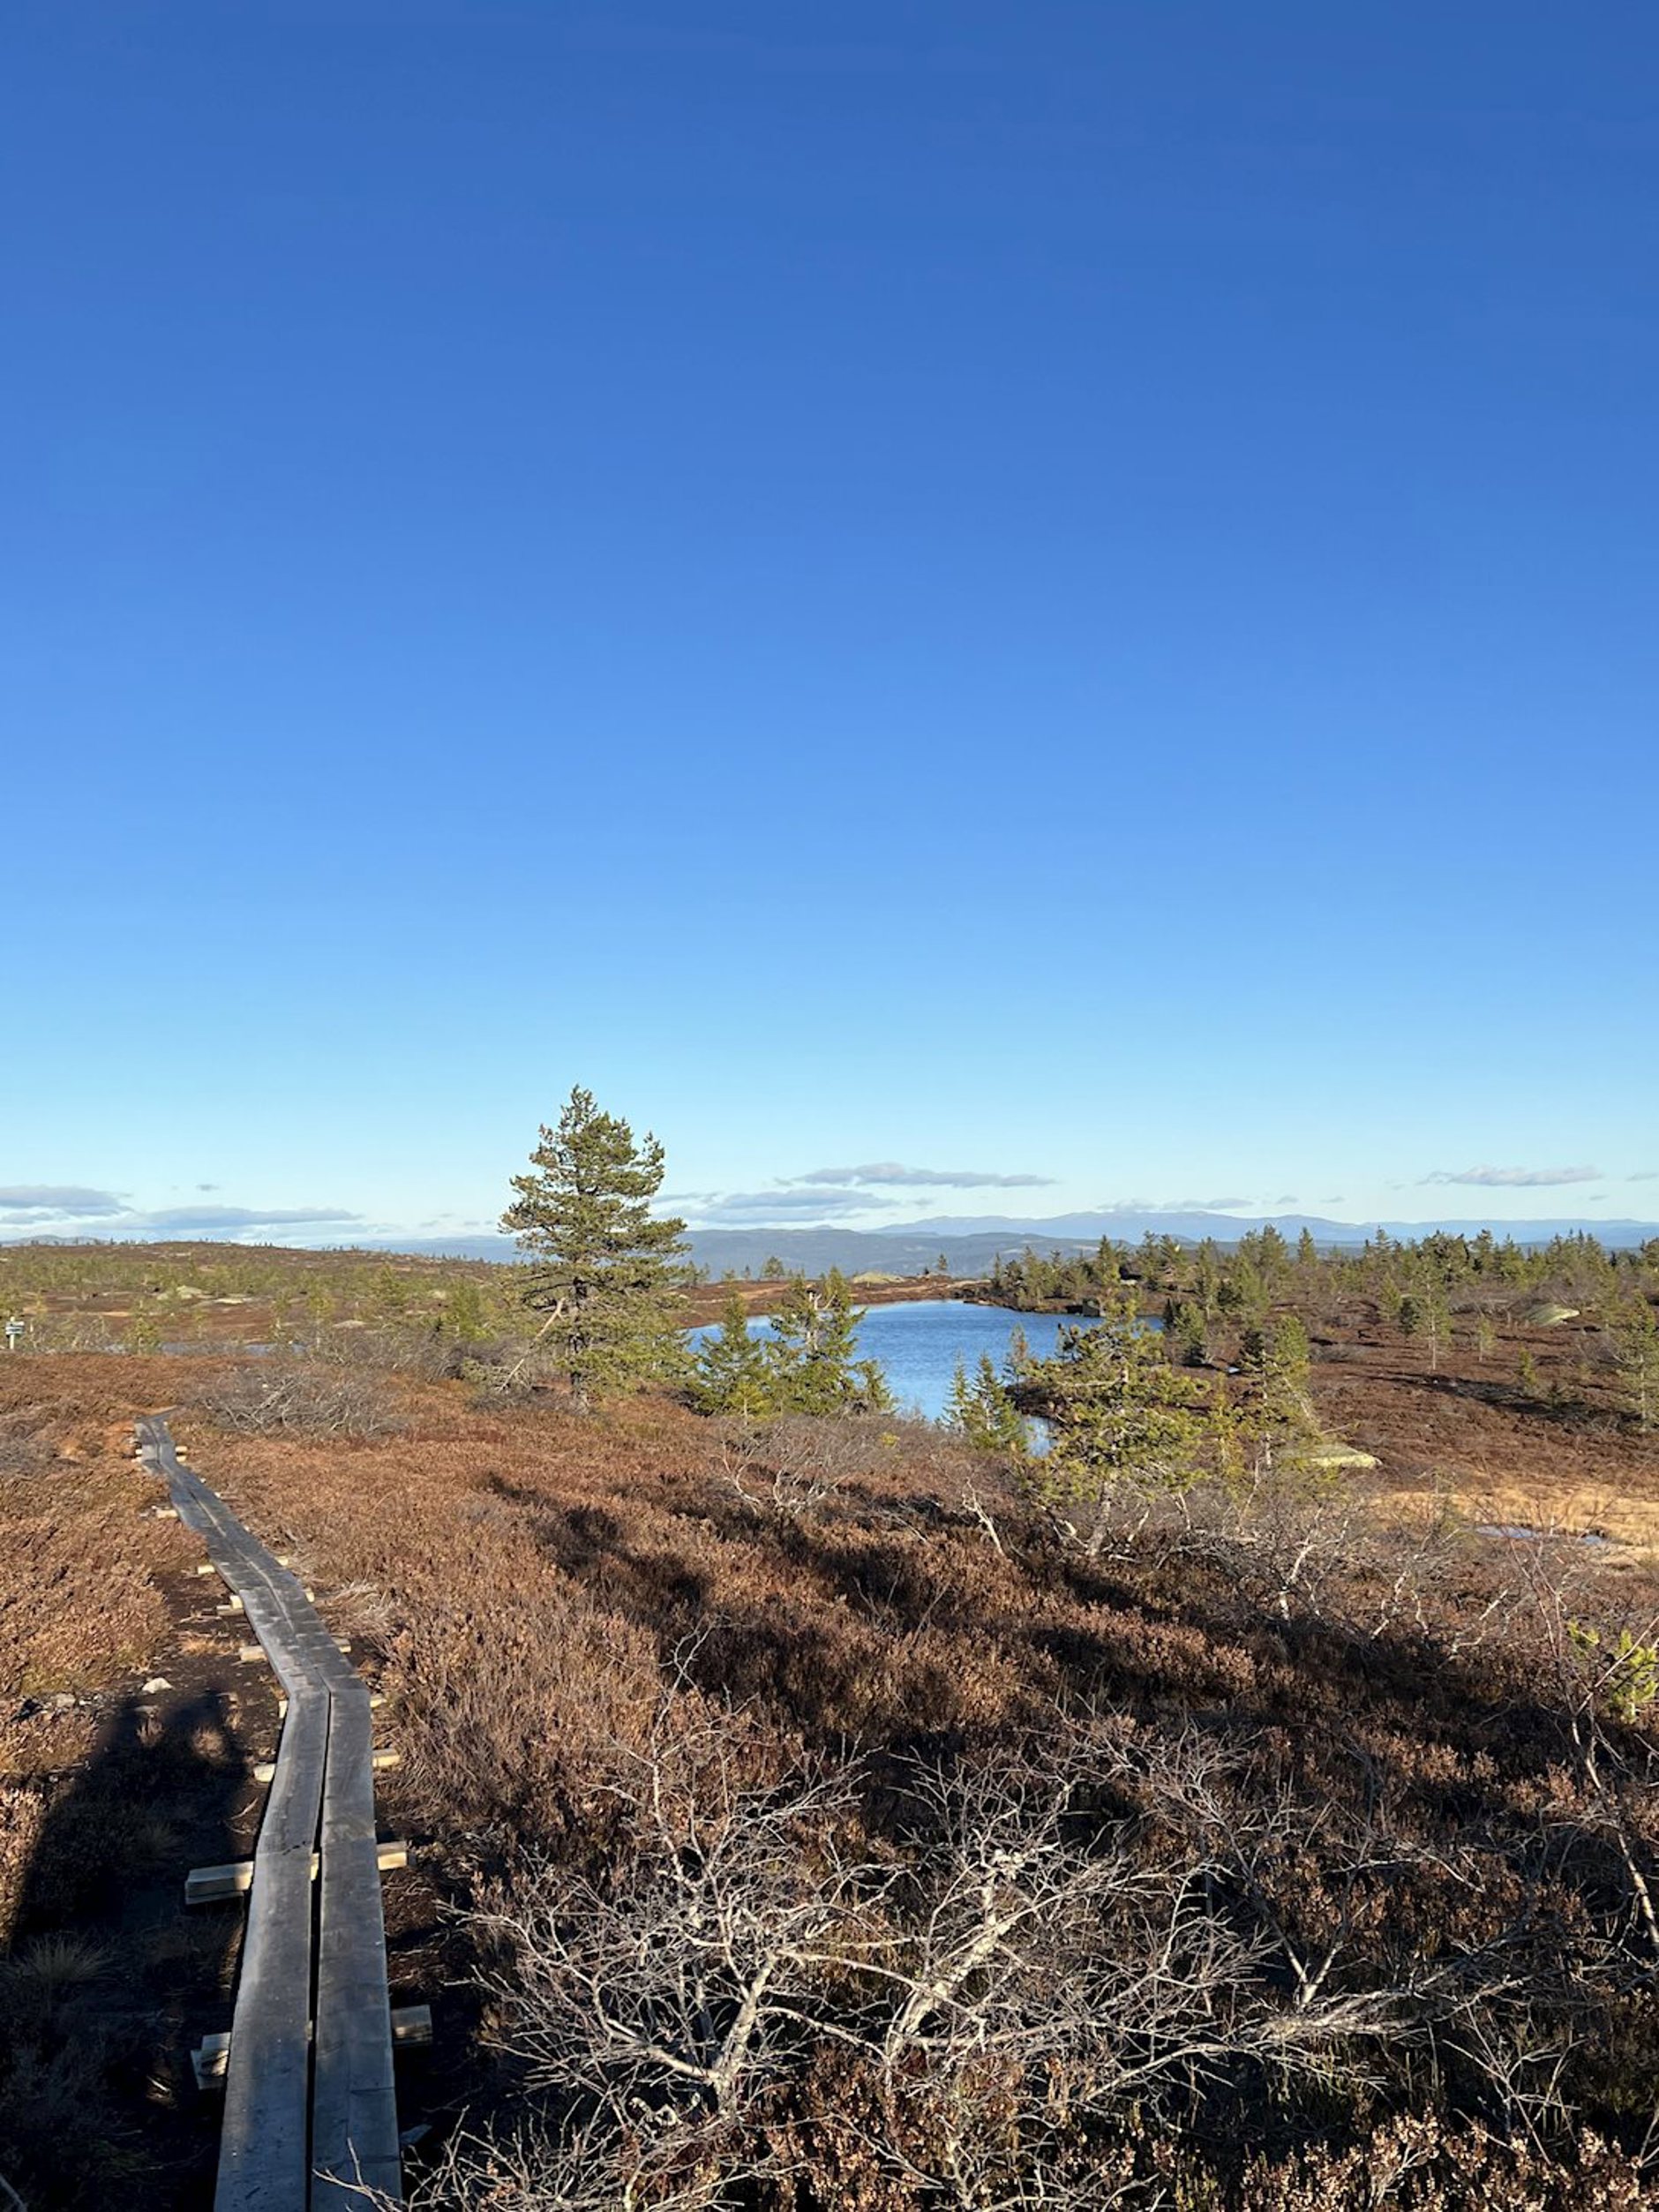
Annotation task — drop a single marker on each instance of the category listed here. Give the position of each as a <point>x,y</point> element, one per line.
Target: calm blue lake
<point>919,1344</point>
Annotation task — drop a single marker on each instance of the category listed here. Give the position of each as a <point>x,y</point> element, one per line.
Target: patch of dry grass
<point>22,1817</point>
<point>81,1563</point>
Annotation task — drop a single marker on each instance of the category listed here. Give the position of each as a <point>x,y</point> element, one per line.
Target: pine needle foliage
<point>1122,1414</point>
<point>808,1364</point>
<point>982,1410</point>
<point>1274,1357</point>
<point>1635,1338</point>
<point>734,1373</point>
<point>604,1270</point>
<point>812,1352</point>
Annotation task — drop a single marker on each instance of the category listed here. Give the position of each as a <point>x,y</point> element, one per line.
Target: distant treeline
<point>1263,1266</point>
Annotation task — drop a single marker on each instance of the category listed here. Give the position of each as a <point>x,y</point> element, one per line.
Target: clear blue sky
<point>1057,590</point>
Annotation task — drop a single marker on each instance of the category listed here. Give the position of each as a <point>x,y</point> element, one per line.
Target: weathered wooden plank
<point>283,2149</point>
<point>354,2108</point>
<point>267,2091</point>
<point>263,2149</point>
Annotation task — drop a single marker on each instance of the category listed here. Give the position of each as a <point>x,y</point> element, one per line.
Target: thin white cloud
<point>58,1198</point>
<point>211,1220</point>
<point>891,1173</point>
<point>1515,1178</point>
<point>763,1209</point>
<point>1644,1175</point>
<point>73,1211</point>
<point>1176,1206</point>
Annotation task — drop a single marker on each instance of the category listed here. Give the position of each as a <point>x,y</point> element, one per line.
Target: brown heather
<point>96,1801</point>
<point>81,1601</point>
<point>1373,1794</point>
<point>1402,1957</point>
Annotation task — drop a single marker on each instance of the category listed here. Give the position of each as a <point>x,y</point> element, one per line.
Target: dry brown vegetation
<point>821,1834</point>
<point>106,1797</point>
<point>92,1298</point>
<point>1559,1456</point>
<point>80,1600</point>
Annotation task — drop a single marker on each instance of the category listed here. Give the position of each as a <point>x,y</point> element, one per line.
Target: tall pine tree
<point>604,1271</point>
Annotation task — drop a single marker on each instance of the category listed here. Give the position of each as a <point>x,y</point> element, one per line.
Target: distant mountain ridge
<point>1132,1223</point>
<point>1196,1224</point>
<point>969,1245</point>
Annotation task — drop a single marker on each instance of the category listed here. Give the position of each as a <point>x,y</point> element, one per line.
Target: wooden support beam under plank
<point>265,1770</point>
<point>211,1884</point>
<point>251,1653</point>
<point>411,2025</point>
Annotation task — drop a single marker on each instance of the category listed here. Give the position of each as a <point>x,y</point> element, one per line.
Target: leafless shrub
<point>1009,1987</point>
<point>658,2006</point>
<point>1292,1544</point>
<point>1045,1983</point>
<point>1600,1680</point>
<point>776,1473</point>
<point>1300,1543</point>
<point>793,1468</point>
<point>1498,2010</point>
<point>971,1502</point>
<point>301,1398</point>
<point>405,1348</point>
<point>497,1389</point>
<point>585,2166</point>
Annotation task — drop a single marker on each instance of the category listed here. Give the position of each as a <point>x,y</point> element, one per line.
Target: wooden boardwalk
<point>310,2119</point>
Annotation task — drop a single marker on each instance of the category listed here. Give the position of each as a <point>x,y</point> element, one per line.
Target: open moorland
<point>800,1816</point>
